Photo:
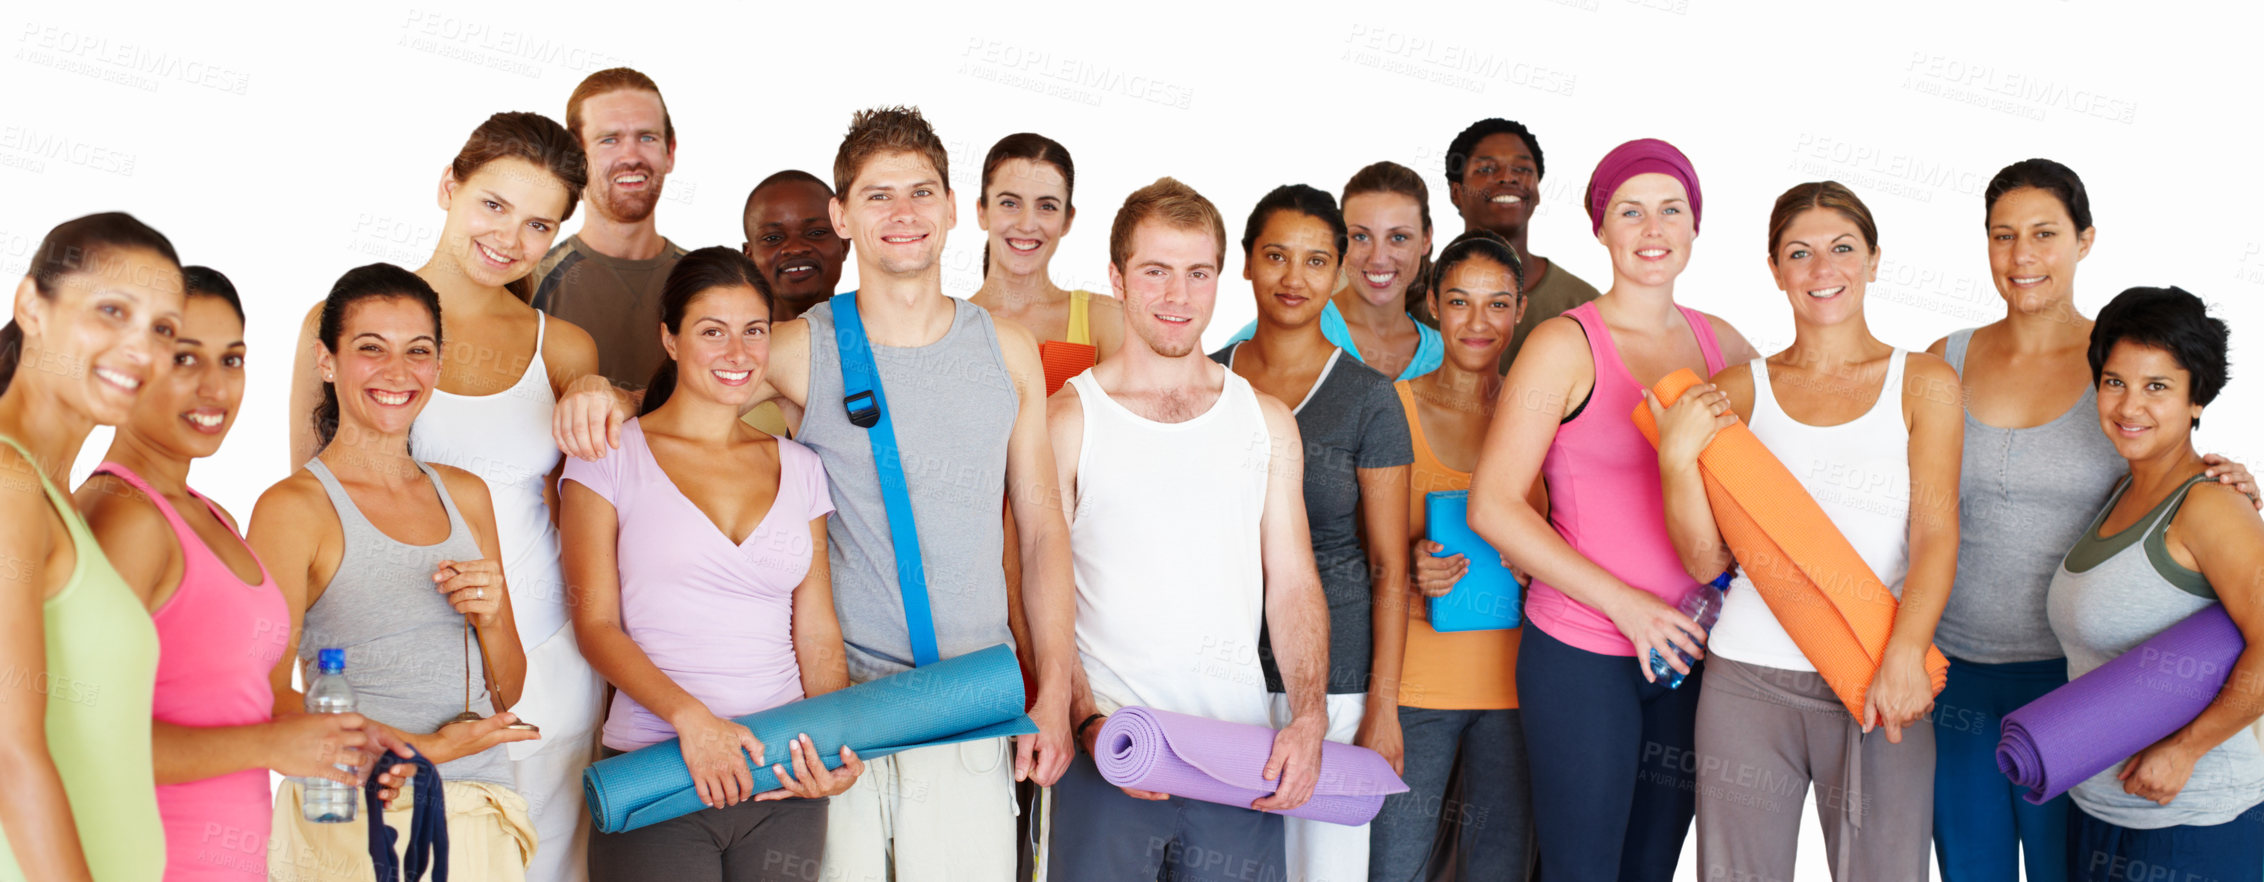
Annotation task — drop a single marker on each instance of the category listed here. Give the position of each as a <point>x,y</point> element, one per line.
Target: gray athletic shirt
<point>2112,594</point>
<point>953,406</point>
<point>1351,420</point>
<point>405,646</point>
<point>2024,495</point>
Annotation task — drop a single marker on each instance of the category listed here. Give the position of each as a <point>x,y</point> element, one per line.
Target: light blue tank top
<point>1430,348</point>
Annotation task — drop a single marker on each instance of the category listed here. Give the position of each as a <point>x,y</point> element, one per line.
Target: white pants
<point>937,814</point>
<point>1318,851</point>
<point>562,696</point>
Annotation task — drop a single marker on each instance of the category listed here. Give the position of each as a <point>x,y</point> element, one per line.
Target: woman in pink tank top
<point>221,623</point>
<point>1610,746</point>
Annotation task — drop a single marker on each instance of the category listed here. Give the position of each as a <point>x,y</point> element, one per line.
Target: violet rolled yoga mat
<point>2104,717</point>
<point>1212,761</point>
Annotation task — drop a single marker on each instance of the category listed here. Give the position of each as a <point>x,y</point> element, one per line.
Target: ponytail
<point>11,352</point>
<point>326,417</point>
<point>663,383</point>
<point>1419,290</point>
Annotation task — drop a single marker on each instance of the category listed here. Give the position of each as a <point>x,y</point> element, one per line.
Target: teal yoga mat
<point>1488,598</point>
<point>969,698</point>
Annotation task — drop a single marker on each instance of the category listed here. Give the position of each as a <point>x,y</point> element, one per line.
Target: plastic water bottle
<point>321,799</point>
<point>1703,606</point>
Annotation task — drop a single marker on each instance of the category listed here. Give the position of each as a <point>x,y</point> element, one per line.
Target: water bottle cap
<point>331,661</point>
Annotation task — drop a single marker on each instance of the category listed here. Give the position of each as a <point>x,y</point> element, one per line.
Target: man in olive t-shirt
<point>1493,177</point>
<point>606,278</point>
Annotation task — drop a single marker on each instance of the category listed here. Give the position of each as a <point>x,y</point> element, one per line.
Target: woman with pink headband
<point>1610,744</point>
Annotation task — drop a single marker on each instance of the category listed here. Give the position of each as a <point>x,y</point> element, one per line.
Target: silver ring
<point>479,593</point>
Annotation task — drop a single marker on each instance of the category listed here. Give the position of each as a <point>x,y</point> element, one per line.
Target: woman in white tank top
<point>1873,433</point>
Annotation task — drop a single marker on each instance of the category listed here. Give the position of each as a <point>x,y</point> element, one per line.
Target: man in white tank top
<point>1184,492</point>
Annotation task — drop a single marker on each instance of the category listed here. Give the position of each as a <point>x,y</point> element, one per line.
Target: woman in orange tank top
<point>1458,690</point>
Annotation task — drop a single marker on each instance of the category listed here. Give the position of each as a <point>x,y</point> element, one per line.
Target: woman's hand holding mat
<point>2123,710</point>
<point>1821,590</point>
<point>972,697</point>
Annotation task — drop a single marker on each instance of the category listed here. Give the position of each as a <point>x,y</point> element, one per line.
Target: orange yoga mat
<point>1064,360</point>
<point>1820,589</point>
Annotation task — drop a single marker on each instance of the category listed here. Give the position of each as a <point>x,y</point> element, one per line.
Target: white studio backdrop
<point>285,145</point>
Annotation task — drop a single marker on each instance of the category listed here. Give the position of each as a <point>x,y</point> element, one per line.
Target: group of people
<point>560,500</point>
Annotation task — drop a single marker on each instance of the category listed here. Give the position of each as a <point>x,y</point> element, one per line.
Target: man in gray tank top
<point>967,401</point>
<point>1162,448</point>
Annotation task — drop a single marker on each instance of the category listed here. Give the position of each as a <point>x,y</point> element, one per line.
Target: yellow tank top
<point>101,671</point>
<point>1080,317</point>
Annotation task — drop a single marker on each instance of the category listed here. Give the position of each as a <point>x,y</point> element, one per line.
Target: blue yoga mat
<point>1487,598</point>
<point>969,698</point>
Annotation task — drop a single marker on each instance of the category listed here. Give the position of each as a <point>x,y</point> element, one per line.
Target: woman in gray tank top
<point>2035,467</point>
<point>395,561</point>
<point>2167,545</point>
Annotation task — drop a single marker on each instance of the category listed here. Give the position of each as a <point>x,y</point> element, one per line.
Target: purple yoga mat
<point>2106,716</point>
<point>1198,758</point>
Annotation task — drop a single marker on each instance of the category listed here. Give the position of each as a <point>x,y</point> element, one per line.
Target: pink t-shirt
<point>716,617</point>
<point>1603,479</point>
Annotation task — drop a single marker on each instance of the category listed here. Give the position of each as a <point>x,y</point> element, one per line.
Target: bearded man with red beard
<point>607,276</point>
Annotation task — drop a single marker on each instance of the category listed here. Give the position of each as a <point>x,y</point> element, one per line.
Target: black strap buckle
<point>863,408</point>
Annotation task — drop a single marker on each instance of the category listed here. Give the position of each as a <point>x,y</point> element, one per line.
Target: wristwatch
<point>1089,720</point>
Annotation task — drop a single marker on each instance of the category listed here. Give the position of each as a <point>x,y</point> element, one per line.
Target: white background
<point>285,147</point>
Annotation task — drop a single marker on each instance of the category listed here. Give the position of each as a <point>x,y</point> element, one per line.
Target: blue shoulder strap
<point>868,408</point>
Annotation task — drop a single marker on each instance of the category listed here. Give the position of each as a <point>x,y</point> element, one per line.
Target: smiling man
<point>606,278</point>
<point>1163,448</point>
<point>965,400</point>
<point>790,237</point>
<point>1493,176</point>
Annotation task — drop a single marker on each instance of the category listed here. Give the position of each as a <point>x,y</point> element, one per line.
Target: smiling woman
<point>2168,543</point>
<point>1832,405</point>
<point>1605,575</point>
<point>1356,462</point>
<point>1025,207</point>
<point>695,602</point>
<point>396,562</point>
<point>514,181</point>
<point>93,322</point>
<point>1387,219</point>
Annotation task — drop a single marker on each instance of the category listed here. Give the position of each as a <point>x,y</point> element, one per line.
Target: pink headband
<point>1638,157</point>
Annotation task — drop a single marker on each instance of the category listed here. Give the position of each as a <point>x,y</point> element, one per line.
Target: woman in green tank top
<point>92,325</point>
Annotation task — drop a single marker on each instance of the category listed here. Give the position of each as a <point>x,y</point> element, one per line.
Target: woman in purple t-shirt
<point>696,560</point>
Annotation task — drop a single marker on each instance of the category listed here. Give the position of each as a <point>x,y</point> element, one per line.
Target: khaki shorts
<point>936,814</point>
<point>490,838</point>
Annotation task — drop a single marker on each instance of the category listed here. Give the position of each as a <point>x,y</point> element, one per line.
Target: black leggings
<point>781,841</point>
<point>1613,773</point>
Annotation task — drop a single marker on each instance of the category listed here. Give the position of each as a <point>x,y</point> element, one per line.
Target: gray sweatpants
<point>1764,736</point>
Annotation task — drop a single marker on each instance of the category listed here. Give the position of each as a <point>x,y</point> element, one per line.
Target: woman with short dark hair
<point>2169,543</point>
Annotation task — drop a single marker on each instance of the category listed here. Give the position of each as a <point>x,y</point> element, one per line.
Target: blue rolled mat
<point>1487,597</point>
<point>2119,708</point>
<point>969,698</point>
